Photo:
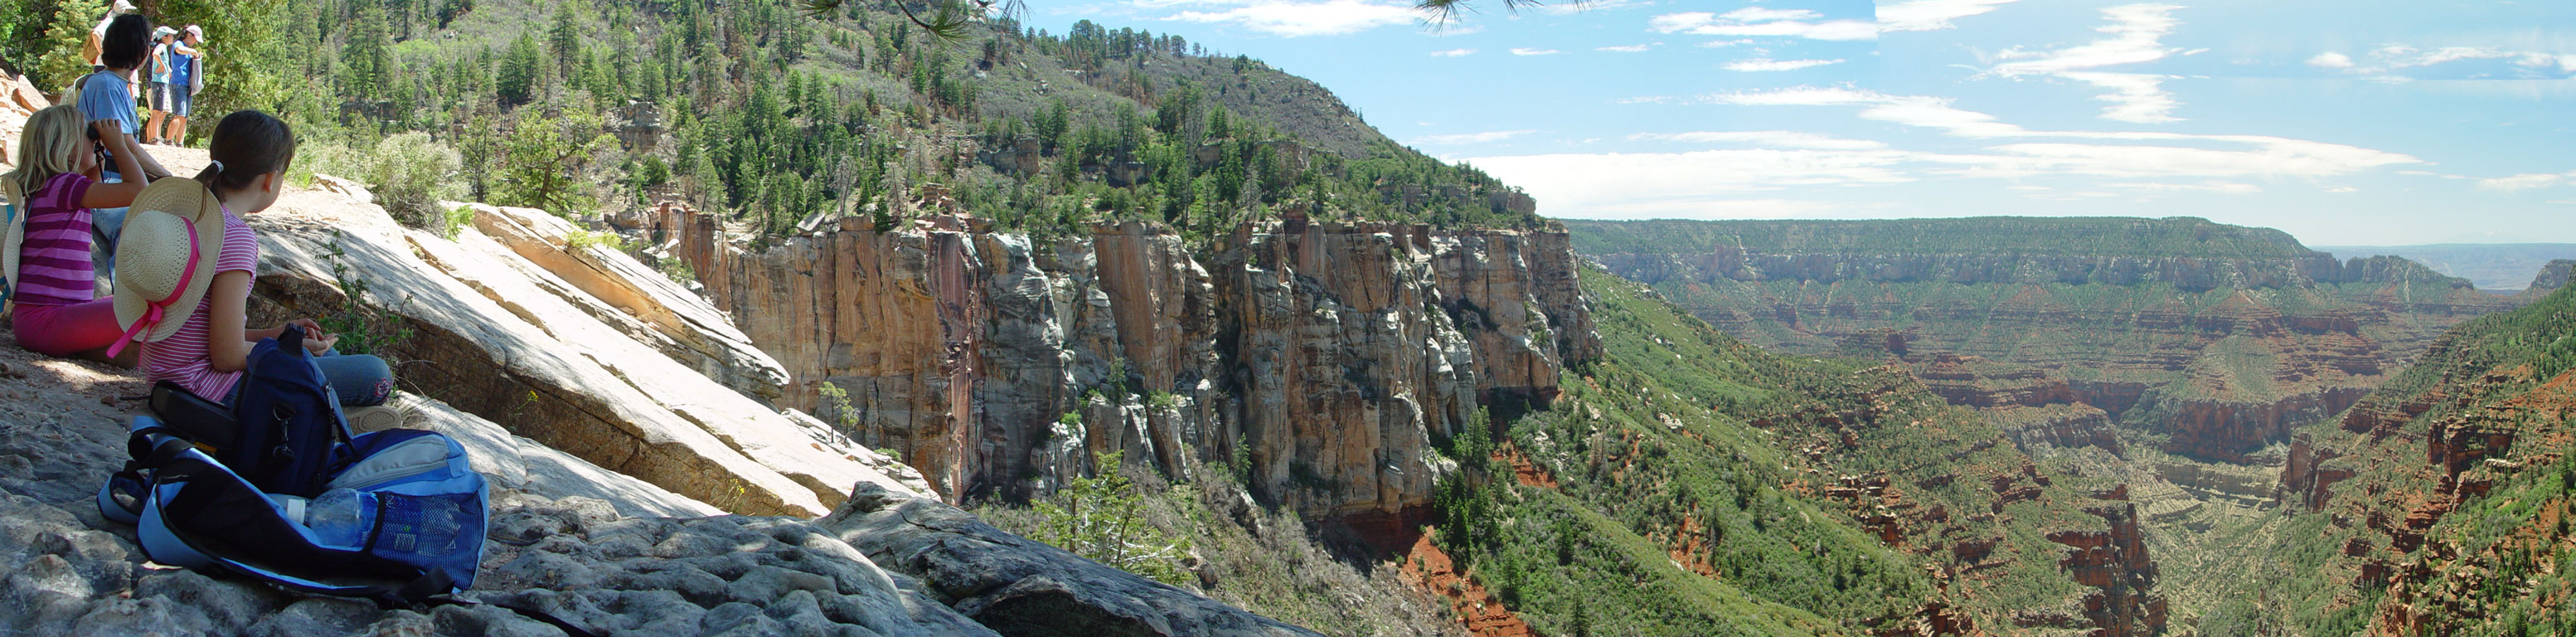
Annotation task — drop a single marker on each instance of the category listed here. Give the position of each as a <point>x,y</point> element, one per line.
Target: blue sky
<point>2350,122</point>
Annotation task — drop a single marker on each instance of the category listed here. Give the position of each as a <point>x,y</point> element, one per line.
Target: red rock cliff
<point>1333,354</point>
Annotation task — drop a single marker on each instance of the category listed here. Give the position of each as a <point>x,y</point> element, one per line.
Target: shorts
<point>65,330</point>
<point>156,95</point>
<point>181,104</point>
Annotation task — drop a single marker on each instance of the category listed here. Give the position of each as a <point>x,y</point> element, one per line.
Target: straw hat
<point>160,273</point>
<point>13,236</point>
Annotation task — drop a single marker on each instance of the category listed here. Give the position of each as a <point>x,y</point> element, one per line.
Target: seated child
<point>202,343</point>
<point>47,251</point>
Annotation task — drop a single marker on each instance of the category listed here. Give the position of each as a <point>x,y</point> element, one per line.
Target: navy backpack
<point>238,504</point>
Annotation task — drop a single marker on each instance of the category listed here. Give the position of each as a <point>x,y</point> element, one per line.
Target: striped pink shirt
<point>185,357</point>
<point>53,263</point>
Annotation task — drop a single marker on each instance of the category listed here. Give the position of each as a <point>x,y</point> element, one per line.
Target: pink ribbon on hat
<point>152,312</point>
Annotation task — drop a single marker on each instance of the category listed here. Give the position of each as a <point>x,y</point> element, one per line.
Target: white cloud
<point>1299,19</point>
<point>2220,187</point>
<point>1453,53</point>
<point>1571,8</point>
<point>2400,63</point>
<point>1767,64</point>
<point>1759,14</point>
<point>1531,51</point>
<point>2135,97</point>
<point>1931,15</point>
<point>2136,36</point>
<point>1486,137</point>
<point>2453,54</point>
<point>1633,48</point>
<point>2119,154</point>
<point>1762,22</point>
<point>2518,183</point>
<point>1766,139</point>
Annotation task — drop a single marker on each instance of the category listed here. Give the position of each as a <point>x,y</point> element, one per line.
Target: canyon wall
<point>2213,340</point>
<point>1328,357</point>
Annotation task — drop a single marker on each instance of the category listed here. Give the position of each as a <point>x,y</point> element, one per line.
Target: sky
<point>2343,122</point>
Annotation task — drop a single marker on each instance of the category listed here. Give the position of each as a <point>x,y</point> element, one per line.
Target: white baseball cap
<point>124,6</point>
<point>193,30</point>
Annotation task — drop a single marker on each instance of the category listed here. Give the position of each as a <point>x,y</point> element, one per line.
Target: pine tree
<point>1102,518</point>
<point>517,79</point>
<point>367,62</point>
<point>564,40</point>
<point>62,61</point>
<point>542,161</point>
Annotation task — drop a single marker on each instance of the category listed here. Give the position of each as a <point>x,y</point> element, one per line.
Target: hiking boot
<point>372,419</point>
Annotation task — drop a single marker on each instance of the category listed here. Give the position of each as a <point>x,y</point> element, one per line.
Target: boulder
<point>1017,586</point>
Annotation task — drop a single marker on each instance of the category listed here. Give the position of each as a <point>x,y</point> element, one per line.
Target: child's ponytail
<point>246,144</point>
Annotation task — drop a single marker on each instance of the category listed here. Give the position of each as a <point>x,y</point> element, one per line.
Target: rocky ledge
<point>616,435</point>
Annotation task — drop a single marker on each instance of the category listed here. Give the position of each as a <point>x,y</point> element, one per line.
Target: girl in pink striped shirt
<point>251,151</point>
<point>59,311</point>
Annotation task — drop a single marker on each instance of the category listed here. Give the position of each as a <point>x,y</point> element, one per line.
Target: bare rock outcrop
<point>1331,355</point>
<point>1020,587</point>
<point>502,337</point>
<point>682,324</point>
<point>2114,562</point>
<point>2552,276</point>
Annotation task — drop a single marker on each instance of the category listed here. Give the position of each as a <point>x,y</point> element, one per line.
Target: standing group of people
<point>170,74</point>
<point>86,194</point>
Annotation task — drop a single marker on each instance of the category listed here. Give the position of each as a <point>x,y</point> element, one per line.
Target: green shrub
<point>362,329</point>
<point>582,239</point>
<point>410,173</point>
<point>325,158</point>
<point>1103,518</point>
<point>455,221</point>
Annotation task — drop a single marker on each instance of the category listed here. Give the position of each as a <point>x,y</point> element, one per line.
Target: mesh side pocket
<point>431,531</point>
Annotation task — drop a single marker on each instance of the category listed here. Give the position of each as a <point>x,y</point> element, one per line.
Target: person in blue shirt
<point>187,76</point>
<point>156,81</point>
<point>107,103</point>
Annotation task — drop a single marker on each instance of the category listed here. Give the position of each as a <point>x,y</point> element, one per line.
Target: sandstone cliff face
<point>1329,355</point>
<point>2114,561</point>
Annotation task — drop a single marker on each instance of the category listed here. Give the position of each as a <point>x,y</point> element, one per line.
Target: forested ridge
<point>776,116</point>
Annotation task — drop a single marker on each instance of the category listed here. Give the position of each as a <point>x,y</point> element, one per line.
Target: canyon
<point>2211,340</point>
<point>1330,355</point>
<point>2177,357</point>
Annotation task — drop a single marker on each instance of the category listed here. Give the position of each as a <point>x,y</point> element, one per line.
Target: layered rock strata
<point>2215,339</point>
<point>2114,562</point>
<point>1329,356</point>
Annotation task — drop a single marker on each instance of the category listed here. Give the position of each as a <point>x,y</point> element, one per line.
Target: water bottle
<point>341,517</point>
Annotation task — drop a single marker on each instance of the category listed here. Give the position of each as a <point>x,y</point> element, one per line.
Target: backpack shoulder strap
<point>12,230</point>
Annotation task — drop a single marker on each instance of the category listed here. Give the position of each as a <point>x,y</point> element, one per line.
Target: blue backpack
<point>238,505</point>
<point>286,418</point>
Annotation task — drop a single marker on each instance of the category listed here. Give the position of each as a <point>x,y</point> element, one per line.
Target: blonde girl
<point>59,312</point>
